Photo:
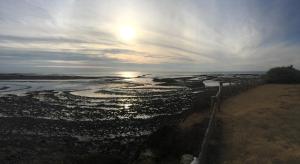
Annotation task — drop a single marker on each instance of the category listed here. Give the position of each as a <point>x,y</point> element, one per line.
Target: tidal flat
<point>71,118</point>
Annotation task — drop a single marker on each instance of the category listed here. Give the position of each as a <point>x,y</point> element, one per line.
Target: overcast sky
<point>59,36</point>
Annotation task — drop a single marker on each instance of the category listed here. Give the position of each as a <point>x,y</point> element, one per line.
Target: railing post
<point>220,96</point>
<point>244,85</point>
<point>212,103</point>
<point>238,86</point>
<point>248,84</point>
<point>230,88</point>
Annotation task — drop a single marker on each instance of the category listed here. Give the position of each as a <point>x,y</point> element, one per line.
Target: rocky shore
<point>58,126</point>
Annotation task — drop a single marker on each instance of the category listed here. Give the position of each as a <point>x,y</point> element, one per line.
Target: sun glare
<point>128,74</point>
<point>127,33</point>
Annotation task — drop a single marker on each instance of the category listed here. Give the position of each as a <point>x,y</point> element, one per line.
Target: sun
<point>127,33</point>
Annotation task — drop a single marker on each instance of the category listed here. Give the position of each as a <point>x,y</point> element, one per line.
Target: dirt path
<point>262,126</point>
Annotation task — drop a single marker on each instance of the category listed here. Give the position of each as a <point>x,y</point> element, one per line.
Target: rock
<point>147,154</point>
<point>186,159</point>
<point>195,161</point>
<point>146,157</point>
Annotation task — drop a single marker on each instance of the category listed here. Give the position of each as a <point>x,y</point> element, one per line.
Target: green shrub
<point>283,75</point>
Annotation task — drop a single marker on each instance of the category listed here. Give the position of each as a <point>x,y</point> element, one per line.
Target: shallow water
<point>103,99</point>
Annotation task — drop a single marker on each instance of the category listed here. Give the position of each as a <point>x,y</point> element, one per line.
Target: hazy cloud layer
<point>215,35</point>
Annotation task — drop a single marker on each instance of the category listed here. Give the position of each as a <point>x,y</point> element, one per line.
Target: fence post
<point>238,88</point>
<point>230,88</point>
<point>220,96</point>
<point>244,85</point>
<point>212,103</point>
<point>248,84</point>
<point>235,87</point>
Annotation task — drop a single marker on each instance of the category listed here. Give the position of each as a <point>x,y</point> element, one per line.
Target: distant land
<point>16,76</point>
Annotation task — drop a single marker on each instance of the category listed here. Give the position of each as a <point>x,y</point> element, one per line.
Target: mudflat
<point>262,125</point>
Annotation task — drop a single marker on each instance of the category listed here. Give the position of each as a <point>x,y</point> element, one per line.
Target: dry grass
<point>262,126</point>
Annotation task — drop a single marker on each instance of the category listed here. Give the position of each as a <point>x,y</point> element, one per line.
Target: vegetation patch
<point>283,75</point>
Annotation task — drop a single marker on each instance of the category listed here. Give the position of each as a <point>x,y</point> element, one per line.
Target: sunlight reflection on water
<point>128,74</point>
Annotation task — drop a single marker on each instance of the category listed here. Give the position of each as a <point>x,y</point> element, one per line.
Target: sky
<point>79,36</point>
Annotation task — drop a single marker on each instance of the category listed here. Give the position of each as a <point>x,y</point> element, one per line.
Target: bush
<point>283,75</point>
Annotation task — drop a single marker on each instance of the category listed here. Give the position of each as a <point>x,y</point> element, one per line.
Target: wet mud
<point>108,119</point>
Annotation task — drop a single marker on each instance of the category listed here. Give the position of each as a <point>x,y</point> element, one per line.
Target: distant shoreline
<point>46,77</point>
<point>33,76</point>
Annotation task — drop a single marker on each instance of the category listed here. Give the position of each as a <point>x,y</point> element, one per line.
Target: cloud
<point>192,35</point>
<point>30,39</point>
